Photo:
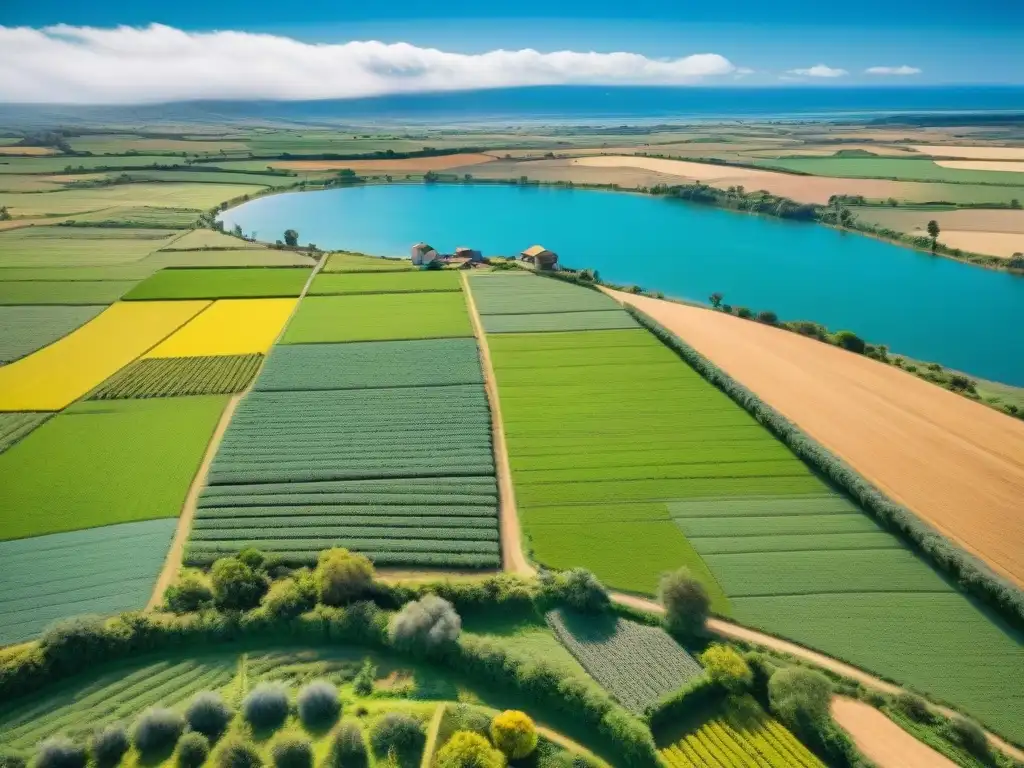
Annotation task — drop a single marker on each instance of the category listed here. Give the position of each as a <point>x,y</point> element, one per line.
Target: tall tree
<point>291,237</point>
<point>933,232</point>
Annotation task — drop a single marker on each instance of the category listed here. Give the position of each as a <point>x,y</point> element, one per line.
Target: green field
<point>100,463</point>
<point>199,239</point>
<point>16,426</point>
<point>176,376</point>
<point>904,169</point>
<point>61,164</point>
<point>384,282</point>
<point>379,317</point>
<point>98,571</point>
<point>159,195</point>
<point>214,176</point>
<point>80,292</point>
<point>358,262</point>
<point>27,328</point>
<point>637,664</point>
<point>224,283</point>
<point>384,448</point>
<point>506,293</point>
<point>78,246</point>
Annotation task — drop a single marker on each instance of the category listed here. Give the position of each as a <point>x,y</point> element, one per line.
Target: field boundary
<point>512,556</point>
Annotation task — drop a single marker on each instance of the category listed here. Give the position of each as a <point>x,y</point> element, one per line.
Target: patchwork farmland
<point>178,376</point>
<point>381,446</point>
<point>626,462</point>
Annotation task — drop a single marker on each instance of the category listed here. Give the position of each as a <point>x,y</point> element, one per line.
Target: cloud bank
<point>819,70</point>
<point>126,65</point>
<point>904,70</point>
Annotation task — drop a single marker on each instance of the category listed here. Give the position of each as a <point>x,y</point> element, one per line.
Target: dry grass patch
<point>983,165</point>
<point>439,163</point>
<point>1002,244</point>
<point>34,151</point>
<point>972,153</point>
<point>957,464</point>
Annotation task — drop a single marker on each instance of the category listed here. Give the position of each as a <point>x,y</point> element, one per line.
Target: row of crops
<point>178,376</point>
<point>637,664</point>
<point>383,447</point>
<point>627,462</point>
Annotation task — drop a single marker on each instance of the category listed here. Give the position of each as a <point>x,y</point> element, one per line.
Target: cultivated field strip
<point>756,741</point>
<point>57,292</point>
<point>382,447</point>
<point>221,283</point>
<point>229,327</point>
<point>177,376</point>
<point>326,284</point>
<point>637,664</point>
<point>15,426</point>
<point>97,571</point>
<point>28,328</point>
<point>356,262</point>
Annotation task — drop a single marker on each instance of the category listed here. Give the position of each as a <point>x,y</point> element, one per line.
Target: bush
<point>743,312</point>
<point>727,668</point>
<point>319,704</point>
<point>767,317</point>
<point>157,730</point>
<point>285,599</point>
<point>290,751</point>
<point>971,736</point>
<point>208,714</point>
<point>365,678</point>
<point>800,697</point>
<point>236,586</point>
<point>60,752</point>
<point>192,751</point>
<point>399,732</point>
<point>253,558</point>
<point>109,745</point>
<point>238,753</point>
<point>72,643</point>
<point>266,706</point>
<point>9,759</point>
<point>425,625</point>
<point>467,718</point>
<point>686,602</point>
<point>466,749</point>
<point>342,576</point>
<point>189,593</point>
<point>581,590</point>
<point>914,707</point>
<point>348,748</point>
<point>514,733</point>
<point>566,759</point>
<point>851,341</point>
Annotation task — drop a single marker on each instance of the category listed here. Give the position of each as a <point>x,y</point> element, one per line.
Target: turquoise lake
<point>926,307</point>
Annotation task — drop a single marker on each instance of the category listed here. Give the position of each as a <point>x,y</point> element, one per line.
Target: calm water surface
<point>922,306</point>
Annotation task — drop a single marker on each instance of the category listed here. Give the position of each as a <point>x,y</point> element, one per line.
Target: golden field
<point>57,375</point>
<point>229,327</point>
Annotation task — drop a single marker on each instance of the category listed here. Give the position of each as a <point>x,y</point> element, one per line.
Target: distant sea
<point>593,105</point>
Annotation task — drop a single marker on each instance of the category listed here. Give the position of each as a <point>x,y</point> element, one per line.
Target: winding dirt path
<point>881,740</point>
<point>512,556</point>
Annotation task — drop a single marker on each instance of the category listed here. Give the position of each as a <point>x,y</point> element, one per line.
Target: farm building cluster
<point>424,254</point>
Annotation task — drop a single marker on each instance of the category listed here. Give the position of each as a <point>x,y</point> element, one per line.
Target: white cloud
<point>904,70</point>
<point>127,65</point>
<point>819,70</point>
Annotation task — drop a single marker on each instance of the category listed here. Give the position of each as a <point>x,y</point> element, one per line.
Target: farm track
<point>883,741</point>
<point>175,554</point>
<point>511,534</point>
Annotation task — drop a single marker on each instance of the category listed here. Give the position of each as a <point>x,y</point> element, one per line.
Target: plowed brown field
<point>957,464</point>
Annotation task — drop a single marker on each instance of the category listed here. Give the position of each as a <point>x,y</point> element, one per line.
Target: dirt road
<point>881,740</point>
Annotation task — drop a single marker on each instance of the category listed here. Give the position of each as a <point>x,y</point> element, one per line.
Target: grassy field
<point>157,195</point>
<point>198,239</point>
<point>224,283</point>
<point>379,317</point>
<point>71,292</point>
<point>99,571</point>
<point>635,663</point>
<point>55,376</point>
<point>384,448</point>
<point>903,169</point>
<point>28,328</point>
<point>724,740</point>
<point>41,246</point>
<point>229,327</point>
<point>101,463</point>
<point>358,262</point>
<point>385,282</point>
<point>61,164</point>
<point>16,426</point>
<point>177,376</point>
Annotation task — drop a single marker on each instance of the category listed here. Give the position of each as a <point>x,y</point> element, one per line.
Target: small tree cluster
<point>686,602</point>
<point>580,589</point>
<point>237,585</point>
<point>425,625</point>
<point>191,592</point>
<point>342,576</point>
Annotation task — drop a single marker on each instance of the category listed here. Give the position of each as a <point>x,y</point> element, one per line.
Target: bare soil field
<point>805,189</point>
<point>440,163</point>
<point>963,219</point>
<point>1002,244</point>
<point>957,464</point>
<point>34,151</point>
<point>983,165</point>
<point>881,740</point>
<point>972,153</point>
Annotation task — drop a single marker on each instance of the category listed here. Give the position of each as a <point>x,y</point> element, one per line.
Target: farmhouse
<point>423,254</point>
<point>470,254</point>
<point>539,256</point>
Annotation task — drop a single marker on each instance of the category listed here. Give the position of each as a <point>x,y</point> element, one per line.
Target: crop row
<point>15,426</point>
<point>174,376</point>
<point>28,328</point>
<point>381,519</point>
<point>204,556</point>
<point>564,321</point>
<point>635,663</point>
<point>463,486</point>
<point>498,294</point>
<point>358,365</point>
<point>347,532</point>
<point>220,283</point>
<point>759,743</point>
<point>385,282</point>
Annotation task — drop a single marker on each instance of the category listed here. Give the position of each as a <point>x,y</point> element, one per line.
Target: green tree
<point>236,586</point>
<point>291,237</point>
<point>1015,204</point>
<point>514,733</point>
<point>5,215</point>
<point>727,668</point>
<point>466,749</point>
<point>686,602</point>
<point>237,230</point>
<point>799,697</point>
<point>933,232</point>
<point>716,299</point>
<point>342,576</point>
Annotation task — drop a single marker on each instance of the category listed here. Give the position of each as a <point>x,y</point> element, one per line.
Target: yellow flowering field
<point>57,375</point>
<point>229,327</point>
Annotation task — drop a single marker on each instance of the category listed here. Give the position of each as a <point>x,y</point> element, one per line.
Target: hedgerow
<point>974,576</point>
